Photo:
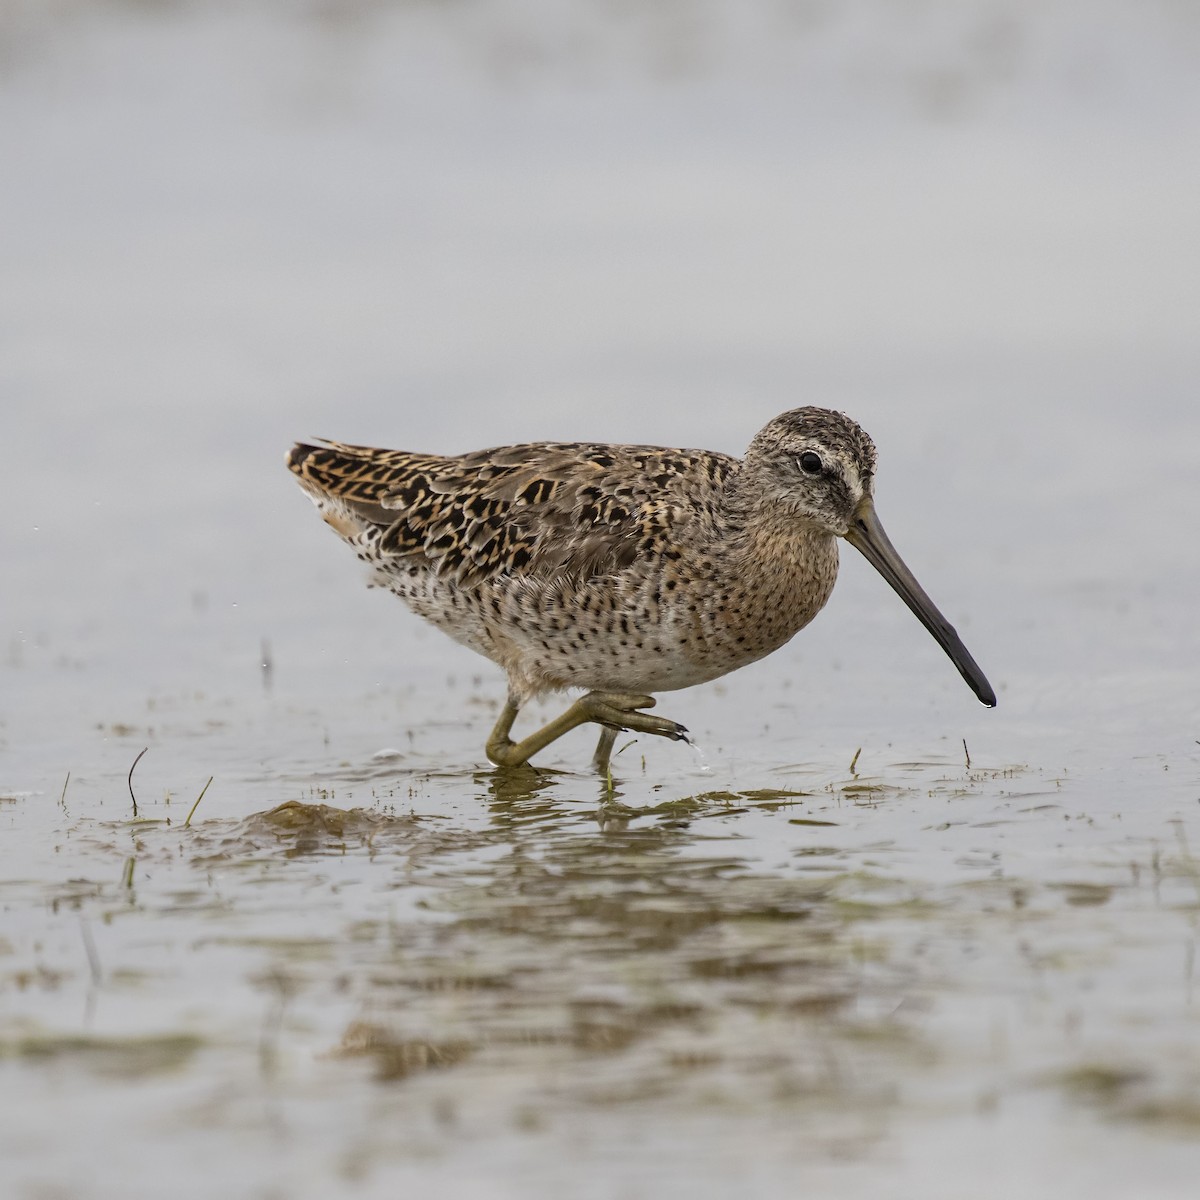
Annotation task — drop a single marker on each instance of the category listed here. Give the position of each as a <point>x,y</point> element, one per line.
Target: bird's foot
<point>623,710</point>
<point>612,710</point>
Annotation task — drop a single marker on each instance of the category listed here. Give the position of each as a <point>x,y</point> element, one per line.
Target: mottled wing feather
<point>563,509</point>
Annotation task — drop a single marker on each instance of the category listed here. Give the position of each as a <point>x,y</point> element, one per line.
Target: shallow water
<point>871,940</point>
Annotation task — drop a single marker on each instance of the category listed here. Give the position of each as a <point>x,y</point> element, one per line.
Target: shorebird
<point>623,570</point>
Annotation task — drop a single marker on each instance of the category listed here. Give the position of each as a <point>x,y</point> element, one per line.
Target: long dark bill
<point>867,537</point>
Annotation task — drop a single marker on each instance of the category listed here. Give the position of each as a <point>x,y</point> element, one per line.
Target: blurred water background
<point>447,225</point>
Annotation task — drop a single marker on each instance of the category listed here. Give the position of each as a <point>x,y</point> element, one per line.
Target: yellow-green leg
<point>613,710</point>
<point>604,748</point>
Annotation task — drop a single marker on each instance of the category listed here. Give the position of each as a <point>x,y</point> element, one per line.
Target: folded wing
<point>542,509</point>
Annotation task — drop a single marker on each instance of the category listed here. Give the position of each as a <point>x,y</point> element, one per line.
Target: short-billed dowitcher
<point>624,570</point>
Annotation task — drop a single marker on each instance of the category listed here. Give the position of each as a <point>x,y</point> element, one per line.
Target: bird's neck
<point>777,552</point>
<point>758,528</point>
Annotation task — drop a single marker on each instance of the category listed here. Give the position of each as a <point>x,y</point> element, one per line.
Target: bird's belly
<point>663,657</point>
<point>603,637</point>
<point>639,643</point>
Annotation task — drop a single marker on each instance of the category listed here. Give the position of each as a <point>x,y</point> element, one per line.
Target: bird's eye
<point>810,463</point>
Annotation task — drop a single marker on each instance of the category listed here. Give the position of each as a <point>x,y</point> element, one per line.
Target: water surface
<point>963,965</point>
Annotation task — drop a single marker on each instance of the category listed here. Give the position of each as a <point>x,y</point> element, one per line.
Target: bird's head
<point>818,466</point>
